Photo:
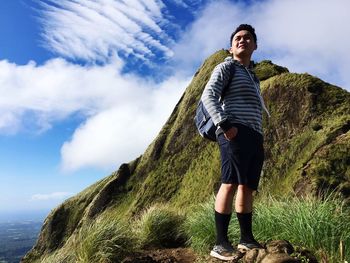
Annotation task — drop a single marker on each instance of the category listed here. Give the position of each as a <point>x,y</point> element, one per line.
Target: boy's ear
<point>230,50</point>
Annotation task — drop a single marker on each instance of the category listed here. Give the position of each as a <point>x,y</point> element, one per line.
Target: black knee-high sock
<point>245,224</point>
<point>222,222</point>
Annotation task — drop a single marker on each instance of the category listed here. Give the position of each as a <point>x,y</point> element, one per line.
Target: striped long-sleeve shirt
<point>241,103</point>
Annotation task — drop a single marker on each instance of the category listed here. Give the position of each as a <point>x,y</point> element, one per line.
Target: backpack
<point>202,119</point>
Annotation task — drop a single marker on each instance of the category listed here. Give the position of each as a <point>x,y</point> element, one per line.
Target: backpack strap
<point>232,73</point>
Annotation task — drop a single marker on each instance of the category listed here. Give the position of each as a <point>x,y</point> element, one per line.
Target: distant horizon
<point>23,215</point>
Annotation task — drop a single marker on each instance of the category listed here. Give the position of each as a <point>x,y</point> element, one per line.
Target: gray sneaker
<point>224,252</point>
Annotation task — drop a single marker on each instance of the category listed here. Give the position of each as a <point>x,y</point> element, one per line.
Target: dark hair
<point>241,27</point>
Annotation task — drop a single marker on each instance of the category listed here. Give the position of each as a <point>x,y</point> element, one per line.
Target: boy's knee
<point>229,188</point>
<point>245,189</point>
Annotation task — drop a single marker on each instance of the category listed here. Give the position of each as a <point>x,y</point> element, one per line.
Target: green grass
<point>104,241</point>
<point>317,224</point>
<point>110,238</point>
<point>160,226</point>
<point>199,226</point>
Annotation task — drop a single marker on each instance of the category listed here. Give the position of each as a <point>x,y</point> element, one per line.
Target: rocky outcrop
<point>279,251</point>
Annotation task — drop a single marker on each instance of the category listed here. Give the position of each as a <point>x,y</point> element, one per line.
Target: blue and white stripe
<point>242,102</point>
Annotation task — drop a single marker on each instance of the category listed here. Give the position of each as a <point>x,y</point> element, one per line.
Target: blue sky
<point>86,85</point>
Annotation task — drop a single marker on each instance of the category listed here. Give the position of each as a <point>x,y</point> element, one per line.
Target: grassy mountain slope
<point>307,144</point>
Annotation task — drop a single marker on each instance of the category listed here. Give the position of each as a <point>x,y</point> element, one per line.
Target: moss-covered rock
<point>307,149</point>
<point>309,117</point>
<point>266,69</point>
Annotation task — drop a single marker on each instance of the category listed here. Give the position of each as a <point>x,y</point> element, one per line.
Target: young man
<point>238,117</point>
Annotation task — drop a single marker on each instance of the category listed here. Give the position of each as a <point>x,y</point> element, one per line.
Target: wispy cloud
<point>94,30</point>
<point>189,3</point>
<point>51,196</point>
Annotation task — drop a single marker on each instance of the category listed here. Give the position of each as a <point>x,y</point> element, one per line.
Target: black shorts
<point>242,158</point>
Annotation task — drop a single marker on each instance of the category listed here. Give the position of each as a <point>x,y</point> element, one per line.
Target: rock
<point>279,246</point>
<point>304,253</point>
<point>279,258</point>
<point>278,251</point>
<point>254,255</point>
<point>251,255</point>
<point>261,255</point>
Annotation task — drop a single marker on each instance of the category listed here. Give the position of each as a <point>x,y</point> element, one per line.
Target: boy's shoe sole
<point>221,257</point>
<point>248,246</point>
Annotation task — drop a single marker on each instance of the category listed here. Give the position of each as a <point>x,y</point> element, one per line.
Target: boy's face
<point>243,44</point>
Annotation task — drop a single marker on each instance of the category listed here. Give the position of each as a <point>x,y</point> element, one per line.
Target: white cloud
<point>51,196</point>
<point>93,30</point>
<point>305,36</point>
<point>308,36</point>
<point>55,90</point>
<point>122,132</point>
<point>210,32</point>
<point>189,3</point>
<point>123,112</point>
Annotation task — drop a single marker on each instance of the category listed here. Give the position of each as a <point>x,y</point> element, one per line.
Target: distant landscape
<point>18,234</point>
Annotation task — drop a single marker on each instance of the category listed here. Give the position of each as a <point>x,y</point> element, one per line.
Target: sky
<point>86,85</point>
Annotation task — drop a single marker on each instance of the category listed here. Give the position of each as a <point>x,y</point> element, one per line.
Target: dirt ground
<point>170,255</point>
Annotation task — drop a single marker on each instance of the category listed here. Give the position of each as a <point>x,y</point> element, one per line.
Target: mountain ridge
<point>307,141</point>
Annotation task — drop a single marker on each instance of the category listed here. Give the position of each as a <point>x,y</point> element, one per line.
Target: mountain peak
<point>307,141</point>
